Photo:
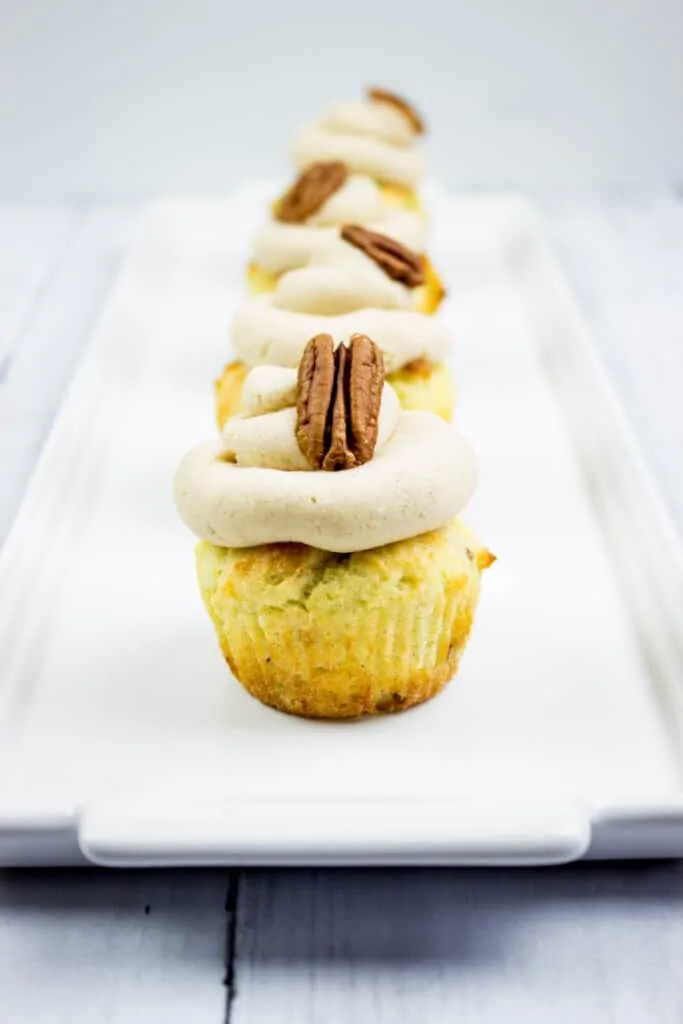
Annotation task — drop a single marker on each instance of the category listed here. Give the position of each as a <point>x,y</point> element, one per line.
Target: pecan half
<point>407,109</point>
<point>397,261</point>
<point>310,190</point>
<point>339,396</point>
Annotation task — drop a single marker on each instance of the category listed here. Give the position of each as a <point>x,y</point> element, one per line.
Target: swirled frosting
<point>263,434</point>
<point>341,292</point>
<point>253,486</point>
<point>371,138</point>
<point>279,247</point>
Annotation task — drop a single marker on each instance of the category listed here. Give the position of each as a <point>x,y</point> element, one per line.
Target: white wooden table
<point>588,944</point>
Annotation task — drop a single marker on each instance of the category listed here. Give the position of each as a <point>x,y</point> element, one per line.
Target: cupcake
<point>361,282</point>
<point>322,199</point>
<point>338,577</point>
<point>377,137</point>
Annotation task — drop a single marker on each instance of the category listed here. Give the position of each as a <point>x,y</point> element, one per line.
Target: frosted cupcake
<point>377,137</point>
<point>331,561</point>
<point>322,199</point>
<point>361,282</point>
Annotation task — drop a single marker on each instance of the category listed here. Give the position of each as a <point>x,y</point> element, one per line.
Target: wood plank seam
<point>232,912</point>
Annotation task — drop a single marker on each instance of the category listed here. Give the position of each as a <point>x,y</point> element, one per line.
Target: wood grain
<point>88,947</point>
<point>594,944</point>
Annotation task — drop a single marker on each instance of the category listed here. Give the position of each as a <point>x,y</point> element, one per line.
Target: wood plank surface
<point>89,947</point>
<point>592,943</point>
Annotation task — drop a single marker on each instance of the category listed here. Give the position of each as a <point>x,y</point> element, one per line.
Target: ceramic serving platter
<point>123,738</point>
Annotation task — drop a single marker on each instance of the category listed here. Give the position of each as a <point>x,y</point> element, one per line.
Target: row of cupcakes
<point>332,561</point>
<point>345,250</point>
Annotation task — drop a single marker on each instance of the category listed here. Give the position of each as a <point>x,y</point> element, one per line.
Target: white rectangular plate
<point>123,739</point>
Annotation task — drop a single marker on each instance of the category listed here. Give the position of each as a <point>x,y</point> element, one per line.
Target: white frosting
<point>268,389</point>
<point>279,247</point>
<point>340,279</point>
<point>371,138</point>
<point>253,486</point>
<point>377,120</point>
<point>359,197</point>
<point>342,292</point>
<point>265,433</point>
<point>262,333</point>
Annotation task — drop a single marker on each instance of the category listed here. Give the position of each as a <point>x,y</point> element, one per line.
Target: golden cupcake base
<point>433,292</point>
<point>323,635</point>
<point>260,280</point>
<point>421,386</point>
<point>228,391</point>
<point>398,197</point>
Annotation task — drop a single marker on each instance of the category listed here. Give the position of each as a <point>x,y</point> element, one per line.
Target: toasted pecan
<point>407,109</point>
<point>396,260</point>
<point>338,402</point>
<point>310,190</point>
